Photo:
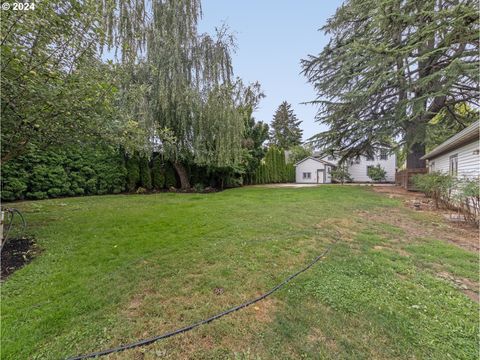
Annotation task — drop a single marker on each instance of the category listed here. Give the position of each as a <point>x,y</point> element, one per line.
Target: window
<point>307,175</point>
<point>431,164</point>
<point>383,154</point>
<point>454,165</point>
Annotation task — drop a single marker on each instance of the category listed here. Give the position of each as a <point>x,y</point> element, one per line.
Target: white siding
<point>311,166</point>
<point>468,161</point>
<point>358,172</point>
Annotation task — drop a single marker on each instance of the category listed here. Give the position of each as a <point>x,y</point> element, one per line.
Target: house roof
<point>316,159</point>
<point>465,136</point>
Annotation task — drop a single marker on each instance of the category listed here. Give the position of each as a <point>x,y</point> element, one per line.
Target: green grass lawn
<point>117,268</point>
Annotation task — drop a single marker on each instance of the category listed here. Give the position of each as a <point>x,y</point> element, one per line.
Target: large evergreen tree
<point>389,68</point>
<point>285,129</point>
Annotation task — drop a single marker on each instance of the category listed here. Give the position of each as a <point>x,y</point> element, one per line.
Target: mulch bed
<point>16,253</point>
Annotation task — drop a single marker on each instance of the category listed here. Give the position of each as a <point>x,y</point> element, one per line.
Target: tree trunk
<point>182,174</point>
<point>415,139</point>
<point>415,152</point>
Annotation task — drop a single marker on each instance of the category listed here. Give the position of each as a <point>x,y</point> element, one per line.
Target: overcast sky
<point>272,37</point>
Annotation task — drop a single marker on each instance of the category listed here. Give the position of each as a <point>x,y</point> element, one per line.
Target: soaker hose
<point>151,340</point>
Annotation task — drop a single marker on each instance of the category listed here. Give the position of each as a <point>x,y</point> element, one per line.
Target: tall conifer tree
<point>285,127</point>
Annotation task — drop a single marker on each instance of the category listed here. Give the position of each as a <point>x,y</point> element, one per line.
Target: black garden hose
<point>151,340</point>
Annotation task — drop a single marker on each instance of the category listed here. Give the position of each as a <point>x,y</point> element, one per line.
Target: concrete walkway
<point>295,185</point>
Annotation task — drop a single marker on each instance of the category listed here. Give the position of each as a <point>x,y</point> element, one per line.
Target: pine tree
<point>389,68</point>
<point>285,128</point>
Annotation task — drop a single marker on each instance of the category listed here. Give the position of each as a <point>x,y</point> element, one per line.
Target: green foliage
<point>462,194</point>
<point>389,68</point>
<point>145,175</point>
<point>340,174</point>
<point>298,153</point>
<point>132,164</point>
<point>436,185</point>
<point>158,173</point>
<point>377,173</point>
<point>54,90</point>
<point>285,127</point>
<point>449,122</point>
<point>273,168</point>
<point>170,178</point>
<point>80,170</point>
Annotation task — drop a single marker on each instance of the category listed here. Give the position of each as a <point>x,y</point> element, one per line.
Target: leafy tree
<point>54,88</point>
<point>377,173</point>
<point>447,123</point>
<point>341,174</point>
<point>285,129</point>
<point>298,153</point>
<point>389,68</point>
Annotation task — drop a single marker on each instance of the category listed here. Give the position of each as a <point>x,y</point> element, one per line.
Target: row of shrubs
<point>82,170</point>
<point>450,192</point>
<point>274,169</point>
<point>104,169</point>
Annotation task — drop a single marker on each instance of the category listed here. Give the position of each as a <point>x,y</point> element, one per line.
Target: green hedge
<point>274,169</point>
<point>64,172</point>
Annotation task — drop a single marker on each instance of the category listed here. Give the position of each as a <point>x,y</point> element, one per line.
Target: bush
<point>450,192</point>
<point>170,179</point>
<point>437,186</point>
<point>158,173</point>
<point>376,173</point>
<point>198,187</point>
<point>145,176</point>
<point>76,170</point>
<point>133,172</point>
<point>340,174</point>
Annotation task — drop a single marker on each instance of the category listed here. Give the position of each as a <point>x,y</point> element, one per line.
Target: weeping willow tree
<point>171,88</point>
<point>189,108</point>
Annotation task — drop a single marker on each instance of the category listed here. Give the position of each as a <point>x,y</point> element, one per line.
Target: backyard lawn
<point>114,269</point>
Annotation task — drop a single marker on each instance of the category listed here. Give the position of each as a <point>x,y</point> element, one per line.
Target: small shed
<point>458,155</point>
<point>312,170</point>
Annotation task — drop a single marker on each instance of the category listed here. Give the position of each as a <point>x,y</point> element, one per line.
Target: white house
<point>458,155</point>
<point>314,169</point>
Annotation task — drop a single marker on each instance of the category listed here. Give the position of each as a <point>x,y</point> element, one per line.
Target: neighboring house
<point>459,155</point>
<point>313,170</point>
<point>317,170</point>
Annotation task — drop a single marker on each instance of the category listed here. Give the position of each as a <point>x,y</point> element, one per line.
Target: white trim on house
<point>316,159</point>
<point>467,135</point>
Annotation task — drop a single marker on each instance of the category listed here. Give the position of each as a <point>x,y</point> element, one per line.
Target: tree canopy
<point>389,68</point>
<point>169,89</point>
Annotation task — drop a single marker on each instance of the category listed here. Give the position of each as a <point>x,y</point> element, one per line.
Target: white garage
<point>313,171</point>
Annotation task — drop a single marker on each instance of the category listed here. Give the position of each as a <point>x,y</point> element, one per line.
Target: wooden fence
<point>403,178</point>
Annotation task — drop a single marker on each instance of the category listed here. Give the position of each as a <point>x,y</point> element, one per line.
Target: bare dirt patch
<point>16,253</point>
<point>317,336</point>
<point>460,234</point>
<point>467,286</point>
<point>389,248</point>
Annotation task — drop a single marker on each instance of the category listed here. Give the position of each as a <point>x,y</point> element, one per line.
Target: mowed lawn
<point>114,269</point>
